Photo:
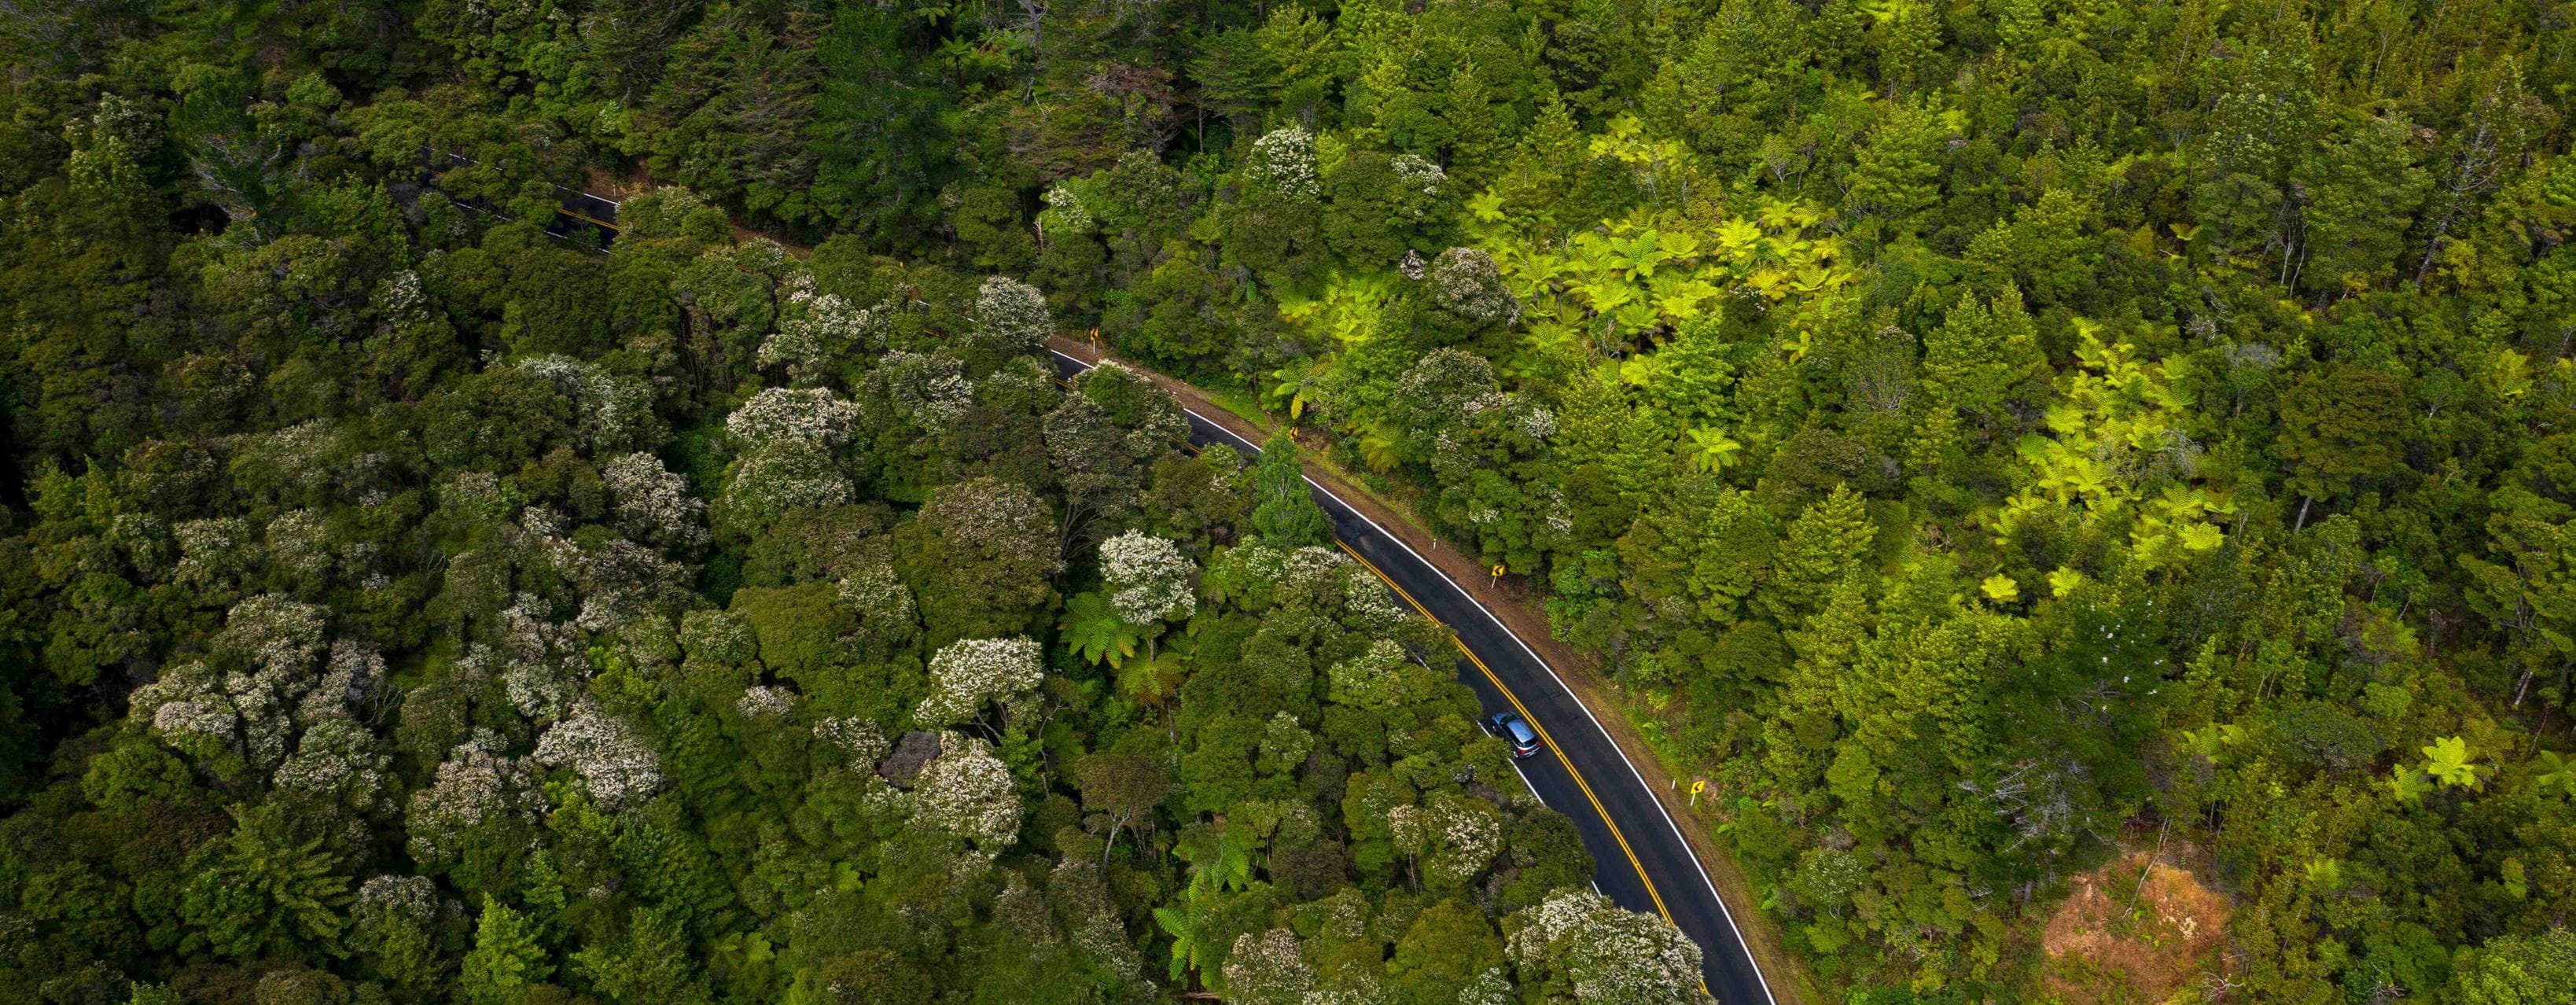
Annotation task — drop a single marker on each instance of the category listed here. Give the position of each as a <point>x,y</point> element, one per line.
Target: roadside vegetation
<point>1991,441</point>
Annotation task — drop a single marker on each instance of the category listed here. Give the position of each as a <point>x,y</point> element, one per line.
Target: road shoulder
<point>1518,607</point>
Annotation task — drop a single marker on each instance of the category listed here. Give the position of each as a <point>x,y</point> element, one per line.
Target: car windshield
<point>1521,732</point>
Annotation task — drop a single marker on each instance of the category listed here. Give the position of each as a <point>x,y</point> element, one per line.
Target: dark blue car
<point>1515,731</point>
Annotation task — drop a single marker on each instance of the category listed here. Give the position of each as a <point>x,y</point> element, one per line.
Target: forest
<point>1989,440</point>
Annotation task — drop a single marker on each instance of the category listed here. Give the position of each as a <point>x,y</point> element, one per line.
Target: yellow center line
<point>584,217</point>
<point>1552,746</point>
<point>1515,699</point>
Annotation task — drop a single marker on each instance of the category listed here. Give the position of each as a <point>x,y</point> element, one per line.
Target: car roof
<point>1520,730</point>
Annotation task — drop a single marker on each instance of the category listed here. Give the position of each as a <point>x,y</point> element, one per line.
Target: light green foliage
<point>2519,969</point>
<point>1972,436</point>
<point>507,959</point>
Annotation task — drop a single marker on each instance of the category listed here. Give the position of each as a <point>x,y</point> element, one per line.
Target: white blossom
<point>480,497</point>
<point>1012,314</point>
<point>616,764</point>
<point>719,637</point>
<point>339,761</point>
<point>246,696</point>
<point>1421,174</point>
<point>818,328</point>
<point>475,789</point>
<point>185,704</point>
<point>783,476</point>
<point>881,600</point>
<point>813,416</point>
<point>398,299</point>
<point>1609,955</point>
<point>932,390</point>
<point>1284,160</point>
<point>295,459</point>
<point>1064,206</point>
<point>857,739</point>
<point>541,663</point>
<point>1466,281</point>
<point>1370,603</point>
<point>1377,678</point>
<point>1489,988</point>
<point>765,702</point>
<point>622,581</point>
<point>349,678</point>
<point>969,792</point>
<point>1090,919</point>
<point>1268,969</point>
<point>300,544</point>
<point>1536,422</point>
<point>997,521</point>
<point>145,540</point>
<point>967,673</point>
<point>274,632</point>
<point>651,503</point>
<point>616,414</point>
<point>1463,835</point>
<point>411,898</point>
<point>1149,578</point>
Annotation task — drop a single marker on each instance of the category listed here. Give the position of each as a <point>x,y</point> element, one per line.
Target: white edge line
<point>1633,773</point>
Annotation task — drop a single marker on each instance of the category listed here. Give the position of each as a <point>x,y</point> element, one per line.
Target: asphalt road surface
<point>1643,862</point>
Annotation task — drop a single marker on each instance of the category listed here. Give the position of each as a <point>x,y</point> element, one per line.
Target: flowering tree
<point>1283,161</point>
<point>789,438</point>
<point>1081,899</point>
<point>1011,319</point>
<point>616,764</point>
<point>1466,285</point>
<point>1268,969</point>
<point>338,762</point>
<point>762,703</point>
<point>813,416</point>
<point>477,793</point>
<point>884,605</point>
<point>967,674</point>
<point>968,792</point>
<point>613,414</point>
<point>817,329</point>
<point>263,681</point>
<point>1451,838</point>
<point>1149,578</point>
<point>778,477</point>
<point>859,742</point>
<point>652,504</point>
<point>1578,947</point>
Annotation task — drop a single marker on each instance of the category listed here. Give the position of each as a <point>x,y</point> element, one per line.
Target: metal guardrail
<point>574,208</point>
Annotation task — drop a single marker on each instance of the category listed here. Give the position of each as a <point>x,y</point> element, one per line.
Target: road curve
<point>1643,863</point>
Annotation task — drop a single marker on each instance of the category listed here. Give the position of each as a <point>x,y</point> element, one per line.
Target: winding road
<point>1643,862</point>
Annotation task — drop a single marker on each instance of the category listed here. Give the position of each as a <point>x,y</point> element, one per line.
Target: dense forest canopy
<point>1986,439</point>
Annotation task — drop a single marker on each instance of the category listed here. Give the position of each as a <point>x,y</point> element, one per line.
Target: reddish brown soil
<point>2119,940</point>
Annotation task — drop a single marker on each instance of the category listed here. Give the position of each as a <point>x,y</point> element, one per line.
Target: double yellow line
<point>584,217</point>
<point>1506,689</point>
<point>1515,699</point>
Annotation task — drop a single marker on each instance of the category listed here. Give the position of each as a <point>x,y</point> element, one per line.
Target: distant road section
<point>575,210</point>
<point>1644,864</point>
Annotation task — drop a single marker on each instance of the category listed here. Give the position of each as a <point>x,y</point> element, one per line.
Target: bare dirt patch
<point>2135,931</point>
